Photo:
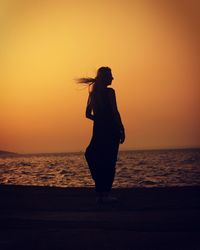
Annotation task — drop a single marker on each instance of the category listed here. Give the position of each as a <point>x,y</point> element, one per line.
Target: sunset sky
<point>151,46</point>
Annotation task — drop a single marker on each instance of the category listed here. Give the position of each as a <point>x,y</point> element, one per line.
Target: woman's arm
<point>88,112</point>
<point>116,113</point>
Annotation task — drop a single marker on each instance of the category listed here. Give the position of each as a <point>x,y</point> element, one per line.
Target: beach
<point>36,217</point>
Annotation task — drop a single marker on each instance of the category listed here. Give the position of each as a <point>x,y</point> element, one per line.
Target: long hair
<point>95,85</point>
<point>99,81</point>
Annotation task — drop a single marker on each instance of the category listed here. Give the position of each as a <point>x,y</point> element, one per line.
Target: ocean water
<point>155,168</point>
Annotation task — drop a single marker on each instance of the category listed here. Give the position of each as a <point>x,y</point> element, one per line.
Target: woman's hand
<point>122,137</point>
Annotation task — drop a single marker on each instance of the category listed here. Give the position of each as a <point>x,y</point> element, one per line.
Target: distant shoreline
<point>7,153</point>
<point>14,154</point>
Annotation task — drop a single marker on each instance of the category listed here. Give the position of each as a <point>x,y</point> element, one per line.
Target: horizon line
<point>122,150</point>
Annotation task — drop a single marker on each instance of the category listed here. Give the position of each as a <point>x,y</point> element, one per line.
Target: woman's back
<point>105,123</point>
<point>101,105</point>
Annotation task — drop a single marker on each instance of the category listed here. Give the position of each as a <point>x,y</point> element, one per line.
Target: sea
<point>134,168</point>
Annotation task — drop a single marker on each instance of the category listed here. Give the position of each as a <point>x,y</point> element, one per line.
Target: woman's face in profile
<point>109,79</point>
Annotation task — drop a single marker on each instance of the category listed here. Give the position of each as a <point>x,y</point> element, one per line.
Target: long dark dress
<point>101,153</point>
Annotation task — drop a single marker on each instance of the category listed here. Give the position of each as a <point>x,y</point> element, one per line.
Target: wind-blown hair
<point>103,74</point>
<point>88,80</point>
<point>96,85</point>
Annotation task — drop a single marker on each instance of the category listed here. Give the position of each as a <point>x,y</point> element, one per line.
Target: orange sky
<point>151,46</point>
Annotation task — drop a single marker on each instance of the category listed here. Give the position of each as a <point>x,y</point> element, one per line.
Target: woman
<point>108,132</point>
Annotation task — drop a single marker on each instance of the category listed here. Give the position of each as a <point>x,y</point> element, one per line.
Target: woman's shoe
<point>109,199</point>
<point>106,200</point>
<point>99,200</point>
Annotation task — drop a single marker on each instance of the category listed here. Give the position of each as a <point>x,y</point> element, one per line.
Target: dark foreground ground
<point>58,218</point>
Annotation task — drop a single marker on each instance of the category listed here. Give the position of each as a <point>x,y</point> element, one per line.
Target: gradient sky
<point>151,46</point>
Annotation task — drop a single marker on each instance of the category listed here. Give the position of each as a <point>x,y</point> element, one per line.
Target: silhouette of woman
<point>108,133</point>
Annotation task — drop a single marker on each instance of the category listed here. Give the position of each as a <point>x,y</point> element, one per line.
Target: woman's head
<point>98,84</point>
<point>104,76</point>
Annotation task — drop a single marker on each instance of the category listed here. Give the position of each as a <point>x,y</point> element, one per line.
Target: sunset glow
<point>152,48</point>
